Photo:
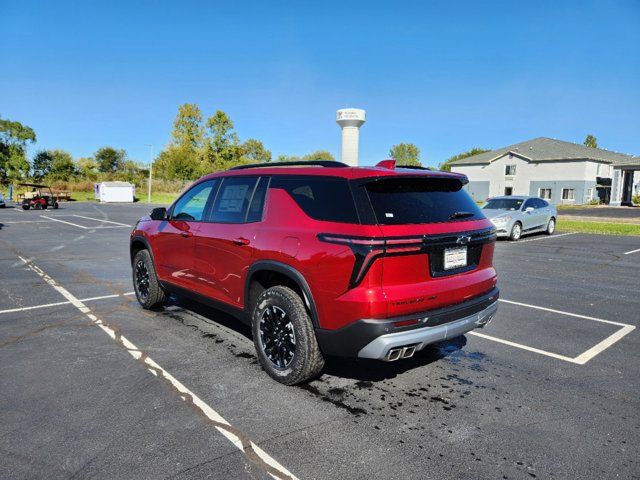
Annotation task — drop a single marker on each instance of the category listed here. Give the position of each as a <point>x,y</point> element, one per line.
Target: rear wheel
<point>551,226</point>
<point>516,232</point>
<point>284,337</point>
<point>55,205</point>
<point>145,281</point>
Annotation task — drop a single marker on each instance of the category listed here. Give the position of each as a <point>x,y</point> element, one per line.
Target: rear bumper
<point>373,339</point>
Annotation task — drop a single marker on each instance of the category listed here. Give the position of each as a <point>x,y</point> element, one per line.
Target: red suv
<point>325,259</point>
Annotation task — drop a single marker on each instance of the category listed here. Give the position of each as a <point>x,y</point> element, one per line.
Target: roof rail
<point>314,163</point>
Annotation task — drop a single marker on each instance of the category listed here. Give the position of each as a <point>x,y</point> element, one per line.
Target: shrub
<point>636,199</point>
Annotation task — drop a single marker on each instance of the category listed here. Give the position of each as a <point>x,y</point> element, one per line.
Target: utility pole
<point>150,166</point>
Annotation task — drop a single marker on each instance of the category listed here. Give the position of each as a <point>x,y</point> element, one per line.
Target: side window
<point>257,202</point>
<point>232,200</point>
<point>193,203</point>
<point>528,203</point>
<point>541,203</point>
<point>322,198</point>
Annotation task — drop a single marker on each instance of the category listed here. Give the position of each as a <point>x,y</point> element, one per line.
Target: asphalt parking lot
<point>93,386</point>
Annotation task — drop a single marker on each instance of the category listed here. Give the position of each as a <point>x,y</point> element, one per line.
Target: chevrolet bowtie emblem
<point>463,239</point>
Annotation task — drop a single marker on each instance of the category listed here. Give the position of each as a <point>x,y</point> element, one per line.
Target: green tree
<point>318,155</point>
<point>14,138</point>
<point>446,165</point>
<point>176,163</point>
<point>109,159</point>
<point>406,154</point>
<point>253,150</point>
<point>222,149</point>
<point>187,130</point>
<point>62,166</point>
<point>591,141</point>
<point>41,164</point>
<point>87,168</point>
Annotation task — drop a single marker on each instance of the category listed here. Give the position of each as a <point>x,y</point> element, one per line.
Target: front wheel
<point>284,337</point>
<point>516,232</point>
<point>25,207</point>
<point>145,281</point>
<point>551,226</point>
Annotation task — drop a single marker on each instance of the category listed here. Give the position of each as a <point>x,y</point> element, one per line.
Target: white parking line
<point>56,219</point>
<point>561,312</point>
<point>24,221</point>
<point>632,251</point>
<point>252,452</point>
<point>545,237</point>
<point>47,305</point>
<point>580,359</point>
<point>63,221</point>
<point>103,221</point>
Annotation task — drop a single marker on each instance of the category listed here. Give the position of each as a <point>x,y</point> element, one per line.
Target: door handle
<point>186,234</point>
<point>241,241</point>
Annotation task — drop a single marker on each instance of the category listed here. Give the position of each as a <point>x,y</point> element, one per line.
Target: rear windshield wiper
<point>455,215</point>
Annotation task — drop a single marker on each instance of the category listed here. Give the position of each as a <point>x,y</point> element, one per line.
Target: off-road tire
<point>155,296</point>
<point>551,226</point>
<point>516,232</point>
<point>307,361</point>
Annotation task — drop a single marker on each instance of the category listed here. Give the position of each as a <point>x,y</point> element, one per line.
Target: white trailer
<point>114,192</point>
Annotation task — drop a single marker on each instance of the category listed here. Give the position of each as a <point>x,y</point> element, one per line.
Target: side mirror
<point>159,213</point>
<point>529,209</point>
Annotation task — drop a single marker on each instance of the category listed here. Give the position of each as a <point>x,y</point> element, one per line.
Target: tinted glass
<point>322,198</point>
<point>257,202</point>
<point>503,204</point>
<point>424,200</point>
<point>192,204</point>
<point>232,200</point>
<point>529,204</point>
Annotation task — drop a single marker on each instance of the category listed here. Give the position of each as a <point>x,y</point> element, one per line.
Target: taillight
<point>367,249</point>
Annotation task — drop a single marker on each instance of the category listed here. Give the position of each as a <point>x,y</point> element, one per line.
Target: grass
<point>161,198</point>
<point>604,228</point>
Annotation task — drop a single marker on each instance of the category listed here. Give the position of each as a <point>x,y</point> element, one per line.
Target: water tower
<point>350,120</point>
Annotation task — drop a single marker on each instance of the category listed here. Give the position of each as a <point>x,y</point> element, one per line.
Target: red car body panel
<point>214,259</point>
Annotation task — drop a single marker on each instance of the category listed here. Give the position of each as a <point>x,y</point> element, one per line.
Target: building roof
<point>630,162</point>
<point>544,149</point>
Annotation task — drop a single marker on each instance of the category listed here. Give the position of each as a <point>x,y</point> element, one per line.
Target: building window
<point>508,191</point>
<point>510,170</point>
<point>544,193</point>
<point>589,193</point>
<point>568,194</point>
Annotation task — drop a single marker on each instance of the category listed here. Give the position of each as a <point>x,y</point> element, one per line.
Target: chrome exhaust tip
<point>407,352</point>
<point>393,354</point>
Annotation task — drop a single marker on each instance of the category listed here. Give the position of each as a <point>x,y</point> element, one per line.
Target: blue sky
<point>446,76</point>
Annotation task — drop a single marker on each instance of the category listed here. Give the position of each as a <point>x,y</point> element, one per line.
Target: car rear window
<point>322,198</point>
<point>397,201</point>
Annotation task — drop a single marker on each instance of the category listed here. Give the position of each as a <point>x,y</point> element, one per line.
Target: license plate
<point>455,257</point>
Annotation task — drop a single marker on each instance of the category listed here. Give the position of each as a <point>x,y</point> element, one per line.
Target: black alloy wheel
<point>149,292</point>
<point>277,337</point>
<point>142,279</point>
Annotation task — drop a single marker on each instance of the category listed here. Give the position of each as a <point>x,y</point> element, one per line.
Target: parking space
<point>94,386</point>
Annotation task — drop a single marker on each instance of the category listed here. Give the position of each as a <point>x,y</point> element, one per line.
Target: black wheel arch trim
<point>143,240</point>
<point>289,271</point>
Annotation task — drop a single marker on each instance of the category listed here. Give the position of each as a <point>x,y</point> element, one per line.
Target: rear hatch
<point>438,244</point>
